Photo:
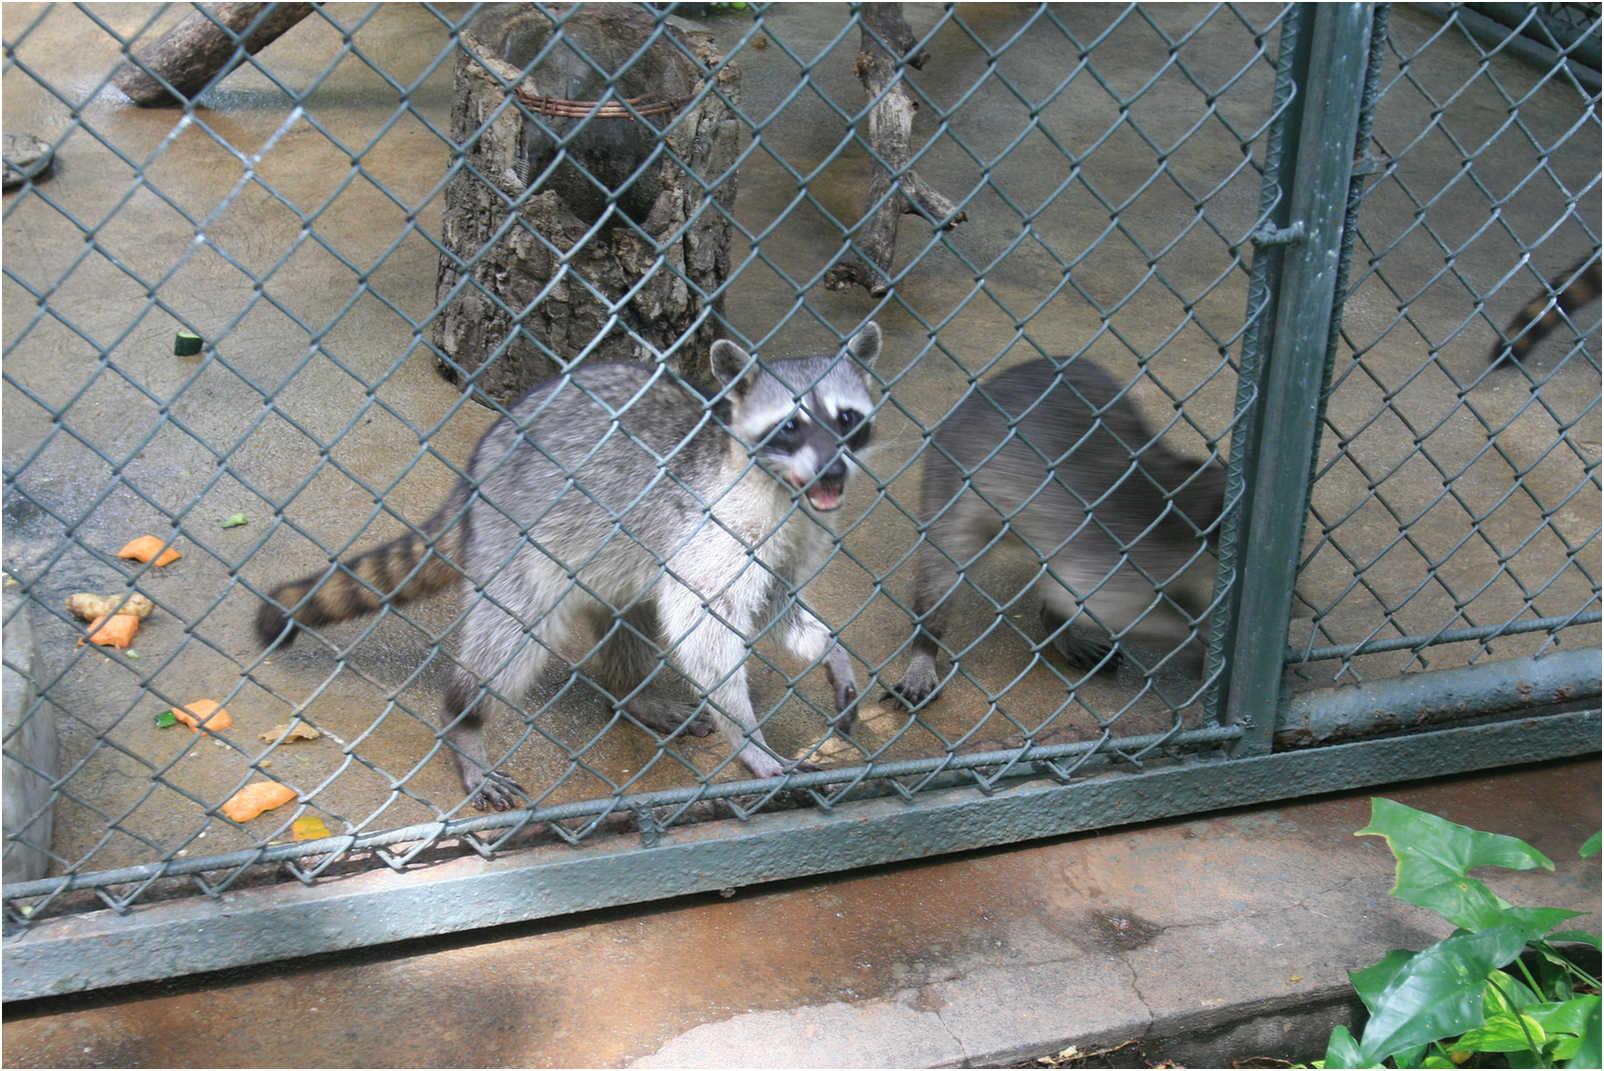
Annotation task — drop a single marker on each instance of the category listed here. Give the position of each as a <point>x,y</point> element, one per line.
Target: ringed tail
<point>1571,290</point>
<point>387,574</point>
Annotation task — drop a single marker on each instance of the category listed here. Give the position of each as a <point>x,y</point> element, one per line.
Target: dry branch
<point>890,136</point>
<point>191,53</point>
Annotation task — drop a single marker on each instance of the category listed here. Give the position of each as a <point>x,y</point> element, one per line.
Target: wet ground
<point>318,413</point>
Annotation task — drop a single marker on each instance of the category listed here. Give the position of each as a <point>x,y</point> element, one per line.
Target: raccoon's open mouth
<point>825,497</point>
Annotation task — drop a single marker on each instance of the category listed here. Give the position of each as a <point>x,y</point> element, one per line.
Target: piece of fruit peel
<point>253,800</point>
<point>310,828</point>
<point>201,714</point>
<point>89,606</point>
<point>147,547</point>
<point>300,732</point>
<point>117,632</point>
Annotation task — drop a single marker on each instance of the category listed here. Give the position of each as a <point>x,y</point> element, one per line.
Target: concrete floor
<point>1203,941</point>
<point>321,398</point>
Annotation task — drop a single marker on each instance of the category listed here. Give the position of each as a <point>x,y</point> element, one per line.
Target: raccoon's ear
<point>865,345</point>
<point>729,362</point>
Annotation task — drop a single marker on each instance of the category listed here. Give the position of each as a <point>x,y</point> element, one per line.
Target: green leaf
<point>235,520</point>
<point>1506,993</point>
<point>1435,857</point>
<point>1590,845</point>
<point>165,720</point>
<point>1370,982</point>
<point>1588,1054</point>
<point>1580,936</point>
<point>1502,1033</point>
<point>1438,992</point>
<point>1564,1017</point>
<point>1409,1057</point>
<point>1462,900</point>
<point>1435,1061</point>
<point>1458,847</point>
<point>1343,1051</point>
<point>1536,921</point>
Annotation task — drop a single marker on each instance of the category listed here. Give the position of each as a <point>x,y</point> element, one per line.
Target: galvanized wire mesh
<point>1108,166</point>
<point>1456,500</point>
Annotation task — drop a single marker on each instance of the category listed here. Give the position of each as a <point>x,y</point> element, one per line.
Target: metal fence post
<point>1329,72</point>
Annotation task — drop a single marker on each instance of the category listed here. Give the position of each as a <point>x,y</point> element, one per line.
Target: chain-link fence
<point>1028,556</point>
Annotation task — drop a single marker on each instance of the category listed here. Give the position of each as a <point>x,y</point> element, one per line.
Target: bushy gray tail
<point>399,571</point>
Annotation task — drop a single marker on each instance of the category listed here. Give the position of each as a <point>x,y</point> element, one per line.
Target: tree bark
<point>540,265</point>
<point>890,134</point>
<point>191,53</point>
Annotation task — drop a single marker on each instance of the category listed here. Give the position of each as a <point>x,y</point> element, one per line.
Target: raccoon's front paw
<point>497,792</point>
<point>918,685</point>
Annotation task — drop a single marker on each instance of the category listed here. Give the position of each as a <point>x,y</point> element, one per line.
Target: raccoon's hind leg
<point>628,657</point>
<point>496,650</point>
<point>1084,648</point>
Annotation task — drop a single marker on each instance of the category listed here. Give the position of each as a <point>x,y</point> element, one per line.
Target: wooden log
<point>890,133</point>
<point>614,244</point>
<point>190,54</point>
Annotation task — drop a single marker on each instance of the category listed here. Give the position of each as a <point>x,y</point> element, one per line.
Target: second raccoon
<point>1056,459</point>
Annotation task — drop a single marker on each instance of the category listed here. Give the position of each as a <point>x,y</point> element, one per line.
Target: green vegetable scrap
<point>235,520</point>
<point>166,720</point>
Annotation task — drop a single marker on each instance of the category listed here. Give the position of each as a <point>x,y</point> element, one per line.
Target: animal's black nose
<point>836,473</point>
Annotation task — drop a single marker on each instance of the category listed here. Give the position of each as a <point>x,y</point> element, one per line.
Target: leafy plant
<point>1471,999</point>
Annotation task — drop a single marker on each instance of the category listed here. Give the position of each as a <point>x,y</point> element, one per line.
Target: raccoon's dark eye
<point>848,419</point>
<point>788,428</point>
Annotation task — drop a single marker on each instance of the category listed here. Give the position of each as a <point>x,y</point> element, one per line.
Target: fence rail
<point>1229,432</point>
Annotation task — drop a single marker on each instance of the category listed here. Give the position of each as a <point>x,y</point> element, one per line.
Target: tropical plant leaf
<point>1455,846</point>
<point>1503,1033</point>
<point>1580,936</point>
<point>1343,1051</point>
<point>1438,993</point>
<point>1587,1053</point>
<point>1435,857</point>
<point>1535,921</point>
<point>1373,980</point>
<point>1590,845</point>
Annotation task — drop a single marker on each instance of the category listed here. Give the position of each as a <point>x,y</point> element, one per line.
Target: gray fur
<point>1071,449</point>
<point>611,503</point>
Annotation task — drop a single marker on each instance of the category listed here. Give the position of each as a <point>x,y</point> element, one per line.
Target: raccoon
<point>1041,456</point>
<point>1567,293</point>
<point>619,500</point>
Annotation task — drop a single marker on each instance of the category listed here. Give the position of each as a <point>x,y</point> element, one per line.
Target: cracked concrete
<point>1201,940</point>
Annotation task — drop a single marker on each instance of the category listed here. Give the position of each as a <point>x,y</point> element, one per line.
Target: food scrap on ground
<point>147,547</point>
<point>89,606</point>
<point>310,828</point>
<point>300,732</point>
<point>235,520</point>
<point>201,714</point>
<point>118,631</point>
<point>252,800</point>
<point>166,720</point>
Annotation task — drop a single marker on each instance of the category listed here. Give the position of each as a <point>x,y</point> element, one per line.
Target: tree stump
<point>585,221</point>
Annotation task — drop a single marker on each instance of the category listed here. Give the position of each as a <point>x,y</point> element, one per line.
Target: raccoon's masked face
<point>801,417</point>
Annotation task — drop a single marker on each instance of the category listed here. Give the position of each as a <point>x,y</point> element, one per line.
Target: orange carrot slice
<point>117,632</point>
<point>147,547</point>
<point>201,714</point>
<point>252,800</point>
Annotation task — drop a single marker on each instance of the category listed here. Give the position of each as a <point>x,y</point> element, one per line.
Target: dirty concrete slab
<point>1240,925</point>
<point>318,397</point>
